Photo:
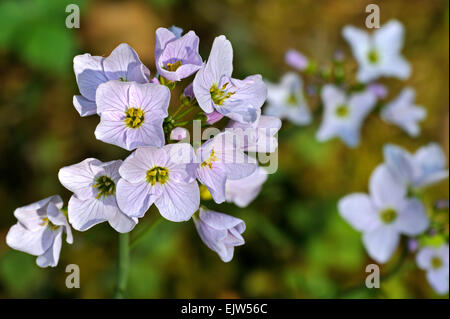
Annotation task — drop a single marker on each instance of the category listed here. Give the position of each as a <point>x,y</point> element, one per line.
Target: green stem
<point>123,265</point>
<point>188,110</point>
<point>144,232</point>
<point>182,123</point>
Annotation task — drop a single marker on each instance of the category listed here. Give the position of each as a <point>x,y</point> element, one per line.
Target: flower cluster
<point>163,169</point>
<point>393,208</point>
<point>346,102</point>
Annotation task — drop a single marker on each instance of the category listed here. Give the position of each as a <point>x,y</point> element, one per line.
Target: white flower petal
<point>385,190</point>
<point>439,281</point>
<point>84,106</point>
<point>89,74</point>
<point>358,210</point>
<point>121,222</point>
<point>51,257</point>
<point>381,243</point>
<point>399,162</point>
<point>178,201</point>
<point>79,178</point>
<point>135,199</point>
<point>33,242</point>
<point>412,219</point>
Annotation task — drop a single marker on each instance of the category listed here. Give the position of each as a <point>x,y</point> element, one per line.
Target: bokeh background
<point>296,244</point>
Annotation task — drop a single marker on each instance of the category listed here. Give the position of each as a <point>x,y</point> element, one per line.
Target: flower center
<point>172,67</point>
<point>342,111</point>
<point>373,56</point>
<point>388,215</point>
<point>134,117</point>
<point>436,262</point>
<point>292,99</point>
<point>219,95</point>
<point>157,175</point>
<point>47,222</point>
<point>105,186</point>
<point>209,161</point>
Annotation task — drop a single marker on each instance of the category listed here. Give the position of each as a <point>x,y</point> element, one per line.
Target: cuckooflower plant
<point>39,230</point>
<point>434,260</point>
<point>384,215</point>
<point>153,175</point>
<point>286,100</point>
<point>378,54</point>
<point>344,115</point>
<point>122,64</point>
<point>423,168</point>
<point>94,201</point>
<point>176,56</point>
<point>404,113</point>
<point>220,232</point>
<point>216,90</point>
<point>221,159</point>
<point>132,114</point>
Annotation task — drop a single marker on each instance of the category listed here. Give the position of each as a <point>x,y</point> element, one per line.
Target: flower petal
<point>135,166</point>
<point>89,74</point>
<point>121,222</point>
<point>51,257</point>
<point>84,106</point>
<point>385,190</point>
<point>135,199</point>
<point>381,243</point>
<point>33,242</point>
<point>121,64</point>
<point>412,219</point>
<point>358,210</point>
<point>399,162</point>
<point>178,201</point>
<point>438,281</point>
<point>79,178</point>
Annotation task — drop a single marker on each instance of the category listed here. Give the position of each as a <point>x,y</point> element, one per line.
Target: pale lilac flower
<point>259,136</point>
<point>213,117</point>
<point>404,113</point>
<point>344,115</point>
<point>435,261</point>
<point>176,58</point>
<point>424,168</point>
<point>296,60</point>
<point>39,230</point>
<point>177,31</point>
<point>378,54</point>
<point>243,191</point>
<point>383,215</point>
<point>380,90</point>
<point>94,201</point>
<point>159,176</point>
<point>220,232</point>
<point>220,159</point>
<point>189,91</point>
<point>215,89</point>
<point>132,114</point>
<point>178,133</point>
<point>155,80</point>
<point>90,71</point>
<point>287,101</point>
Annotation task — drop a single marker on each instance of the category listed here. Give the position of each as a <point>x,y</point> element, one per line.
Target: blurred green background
<point>296,244</point>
